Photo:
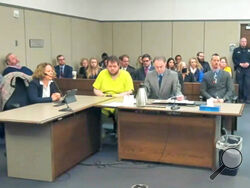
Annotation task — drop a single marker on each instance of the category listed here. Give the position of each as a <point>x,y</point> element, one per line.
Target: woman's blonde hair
<point>39,72</point>
<point>92,71</point>
<point>180,67</point>
<point>199,66</point>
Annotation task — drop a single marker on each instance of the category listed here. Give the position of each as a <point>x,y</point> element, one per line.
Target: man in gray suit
<point>162,83</point>
<point>217,84</point>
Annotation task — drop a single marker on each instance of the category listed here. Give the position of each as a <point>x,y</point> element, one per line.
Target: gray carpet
<point>102,170</point>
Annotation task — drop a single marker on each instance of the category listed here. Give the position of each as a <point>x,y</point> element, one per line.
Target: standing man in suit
<point>162,83</point>
<point>205,65</point>
<point>124,61</point>
<point>217,84</point>
<point>241,59</point>
<point>140,74</point>
<point>63,70</point>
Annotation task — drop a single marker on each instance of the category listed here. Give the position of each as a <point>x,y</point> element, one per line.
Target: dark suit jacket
<point>140,73</point>
<point>82,72</point>
<point>223,88</point>
<point>131,70</point>
<point>169,86</point>
<point>205,65</point>
<point>188,78</point>
<point>35,92</point>
<point>67,71</point>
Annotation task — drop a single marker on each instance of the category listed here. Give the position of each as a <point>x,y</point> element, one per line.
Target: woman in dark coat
<point>42,88</point>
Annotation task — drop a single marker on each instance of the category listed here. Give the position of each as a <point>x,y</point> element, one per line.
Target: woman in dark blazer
<point>42,88</point>
<point>196,69</point>
<point>83,67</point>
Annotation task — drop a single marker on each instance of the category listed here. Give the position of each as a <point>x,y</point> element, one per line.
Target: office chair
<point>19,97</point>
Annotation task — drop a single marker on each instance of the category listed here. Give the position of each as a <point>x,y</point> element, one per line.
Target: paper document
<point>171,101</point>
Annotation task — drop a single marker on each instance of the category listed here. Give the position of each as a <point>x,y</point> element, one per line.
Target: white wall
<point>79,8</point>
<point>114,10</point>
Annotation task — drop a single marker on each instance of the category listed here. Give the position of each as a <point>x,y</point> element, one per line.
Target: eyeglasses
<point>61,59</point>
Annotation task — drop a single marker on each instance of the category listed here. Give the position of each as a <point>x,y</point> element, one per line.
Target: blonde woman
<point>185,73</point>
<point>93,69</point>
<point>224,65</point>
<point>196,69</point>
<point>139,62</point>
<point>83,67</point>
<point>42,89</point>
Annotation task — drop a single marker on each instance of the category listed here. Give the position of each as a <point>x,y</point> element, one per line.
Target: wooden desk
<point>42,143</point>
<point>190,89</point>
<point>185,137</point>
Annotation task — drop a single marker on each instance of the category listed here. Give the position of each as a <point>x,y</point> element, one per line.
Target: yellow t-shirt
<point>229,70</point>
<point>107,85</point>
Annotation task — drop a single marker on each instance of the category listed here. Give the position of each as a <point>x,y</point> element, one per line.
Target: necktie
<point>160,80</point>
<point>215,77</point>
<point>61,72</point>
<point>146,70</point>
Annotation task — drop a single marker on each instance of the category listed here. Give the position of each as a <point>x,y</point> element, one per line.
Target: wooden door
<point>245,32</point>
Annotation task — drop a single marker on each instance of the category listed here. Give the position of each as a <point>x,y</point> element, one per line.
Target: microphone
<point>58,89</point>
<point>174,106</point>
<point>51,76</point>
<point>174,97</point>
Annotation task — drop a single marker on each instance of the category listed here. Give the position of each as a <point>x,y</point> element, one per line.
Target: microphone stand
<point>174,106</point>
<point>67,109</point>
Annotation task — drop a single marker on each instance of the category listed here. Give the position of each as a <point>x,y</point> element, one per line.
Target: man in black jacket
<point>140,74</point>
<point>241,59</point>
<point>124,62</point>
<point>205,65</point>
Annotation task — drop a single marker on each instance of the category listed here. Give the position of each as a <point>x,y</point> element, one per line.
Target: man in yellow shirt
<point>113,81</point>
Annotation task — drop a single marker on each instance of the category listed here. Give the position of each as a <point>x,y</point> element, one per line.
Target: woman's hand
<point>56,96</point>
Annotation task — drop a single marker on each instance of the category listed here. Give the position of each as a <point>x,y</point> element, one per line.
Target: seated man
<point>140,74</point>
<point>124,59</point>
<point>63,70</point>
<point>162,83</point>
<point>217,84</point>
<point>113,81</point>
<point>13,65</point>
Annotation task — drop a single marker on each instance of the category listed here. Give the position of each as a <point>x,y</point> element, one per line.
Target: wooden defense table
<point>42,143</point>
<point>190,89</point>
<point>184,137</point>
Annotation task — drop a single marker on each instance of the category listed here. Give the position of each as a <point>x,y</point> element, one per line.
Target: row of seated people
<point>191,72</point>
<point>62,70</point>
<point>161,83</point>
<point>45,73</point>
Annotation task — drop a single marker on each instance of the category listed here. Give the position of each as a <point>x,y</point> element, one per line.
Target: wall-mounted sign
<point>36,43</point>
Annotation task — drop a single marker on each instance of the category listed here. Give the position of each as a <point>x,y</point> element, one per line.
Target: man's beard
<point>114,74</point>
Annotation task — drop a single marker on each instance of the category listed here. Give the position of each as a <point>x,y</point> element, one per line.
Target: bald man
<point>241,59</point>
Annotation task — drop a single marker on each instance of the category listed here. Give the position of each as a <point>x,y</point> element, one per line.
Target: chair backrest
<point>19,97</point>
